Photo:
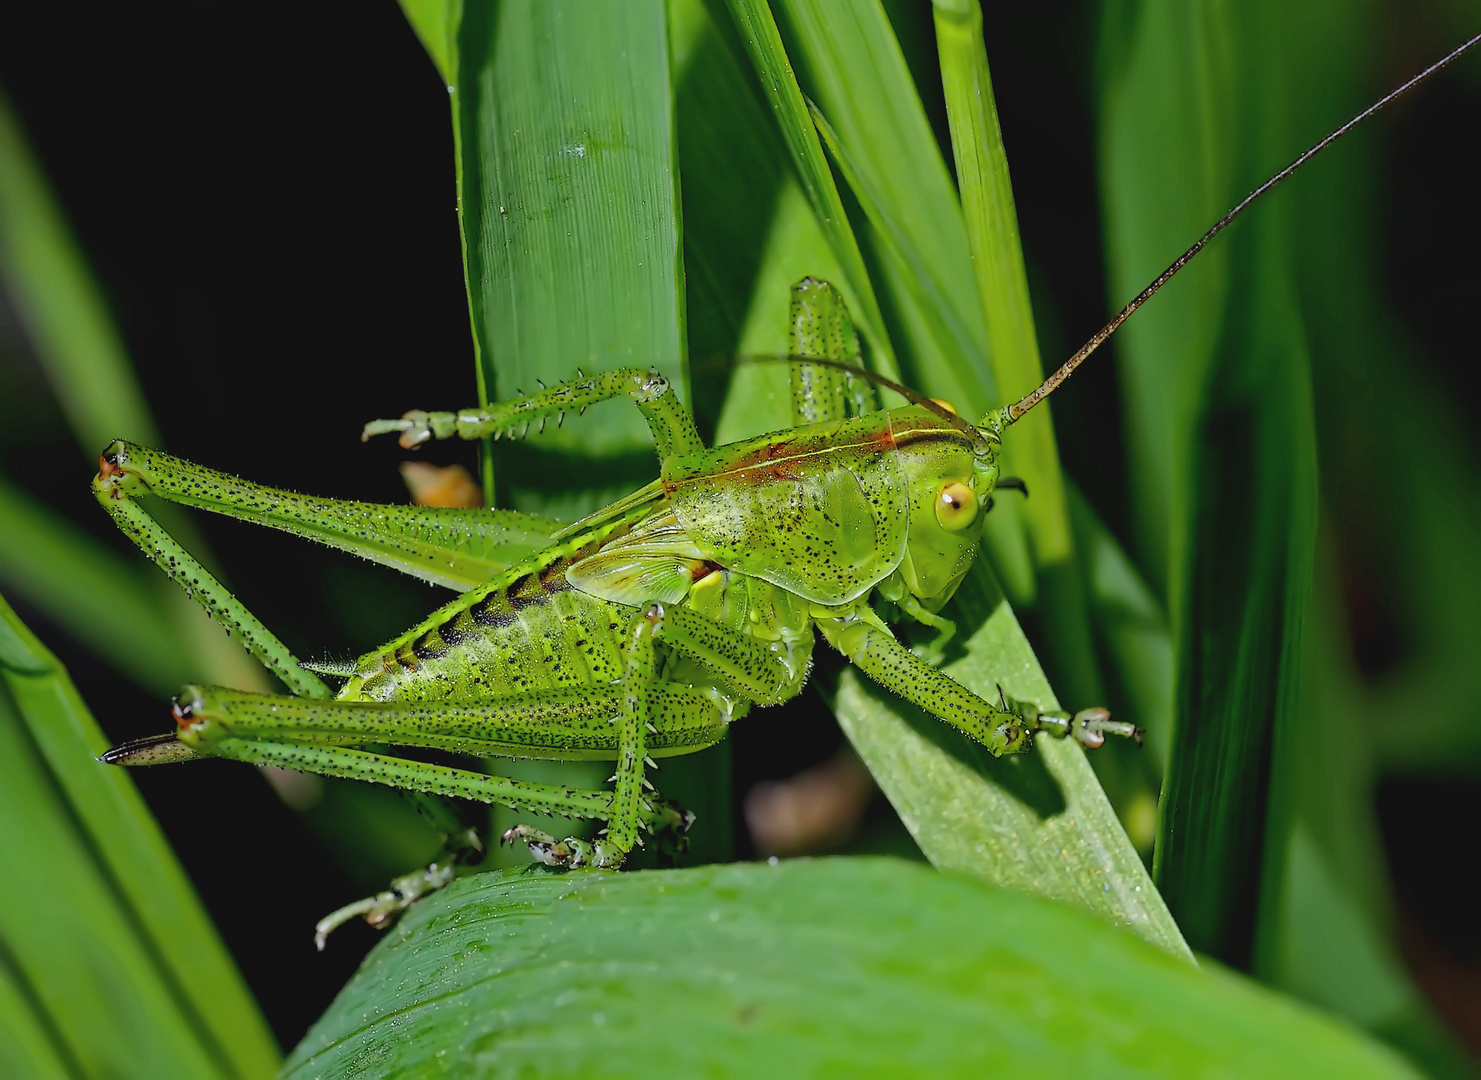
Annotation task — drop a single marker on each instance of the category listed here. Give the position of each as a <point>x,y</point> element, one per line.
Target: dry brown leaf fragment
<point>440,485</point>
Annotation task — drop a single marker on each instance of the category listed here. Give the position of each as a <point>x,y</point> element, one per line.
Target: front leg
<point>1004,728</point>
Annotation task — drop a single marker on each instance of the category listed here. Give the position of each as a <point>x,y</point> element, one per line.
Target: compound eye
<point>956,506</point>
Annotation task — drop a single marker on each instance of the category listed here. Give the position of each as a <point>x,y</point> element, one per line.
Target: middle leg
<point>672,427</point>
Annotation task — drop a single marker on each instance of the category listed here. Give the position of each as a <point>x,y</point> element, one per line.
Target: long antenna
<point>915,397</point>
<point>1018,408</point>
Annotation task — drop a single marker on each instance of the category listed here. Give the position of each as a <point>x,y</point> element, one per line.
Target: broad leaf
<point>840,966</point>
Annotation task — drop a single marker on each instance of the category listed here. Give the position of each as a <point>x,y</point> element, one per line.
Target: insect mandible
<point>645,629</point>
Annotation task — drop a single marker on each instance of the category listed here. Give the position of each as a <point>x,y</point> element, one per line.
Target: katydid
<point>645,629</point>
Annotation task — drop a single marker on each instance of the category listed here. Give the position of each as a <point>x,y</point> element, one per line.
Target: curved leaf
<point>848,60</point>
<point>841,967</point>
<point>59,304</point>
<point>1038,822</point>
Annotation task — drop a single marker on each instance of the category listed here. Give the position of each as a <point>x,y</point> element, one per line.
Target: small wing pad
<point>657,562</point>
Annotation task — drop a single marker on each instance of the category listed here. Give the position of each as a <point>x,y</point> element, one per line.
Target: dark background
<point>269,205</point>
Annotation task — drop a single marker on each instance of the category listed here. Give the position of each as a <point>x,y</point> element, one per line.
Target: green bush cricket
<point>641,631</point>
<point>645,629</point>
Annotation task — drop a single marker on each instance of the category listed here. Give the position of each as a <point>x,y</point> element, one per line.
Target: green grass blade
<point>59,305</point>
<point>749,231</point>
<point>65,319</point>
<point>1162,170</point>
<point>1327,928</point>
<point>1131,633</point>
<point>92,980</point>
<point>573,251</point>
<point>1425,715</point>
<point>850,63</point>
<point>865,89</point>
<point>1221,431</point>
<point>758,31</point>
<point>1002,286</point>
<point>27,1045</point>
<point>435,23</point>
<point>102,921</point>
<point>1132,624</point>
<point>1426,706</point>
<point>1239,642</point>
<point>735,174</point>
<point>811,967</point>
<point>991,220</point>
<point>98,596</point>
<point>568,193</point>
<point>1324,923</point>
<point>1038,823</point>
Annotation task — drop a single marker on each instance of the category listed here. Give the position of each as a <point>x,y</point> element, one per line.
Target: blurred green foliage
<point>109,963</point>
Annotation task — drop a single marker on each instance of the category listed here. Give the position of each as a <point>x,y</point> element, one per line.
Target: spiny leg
<point>455,548</point>
<point>352,764</point>
<point>672,427</point>
<point>380,909</point>
<point>767,673</point>
<point>319,736</point>
<point>110,487</point>
<point>634,723</point>
<point>206,736</point>
<point>569,725</point>
<point>631,807</point>
<point>1003,729</point>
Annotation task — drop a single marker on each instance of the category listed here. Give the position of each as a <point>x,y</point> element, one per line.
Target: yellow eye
<point>956,506</point>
